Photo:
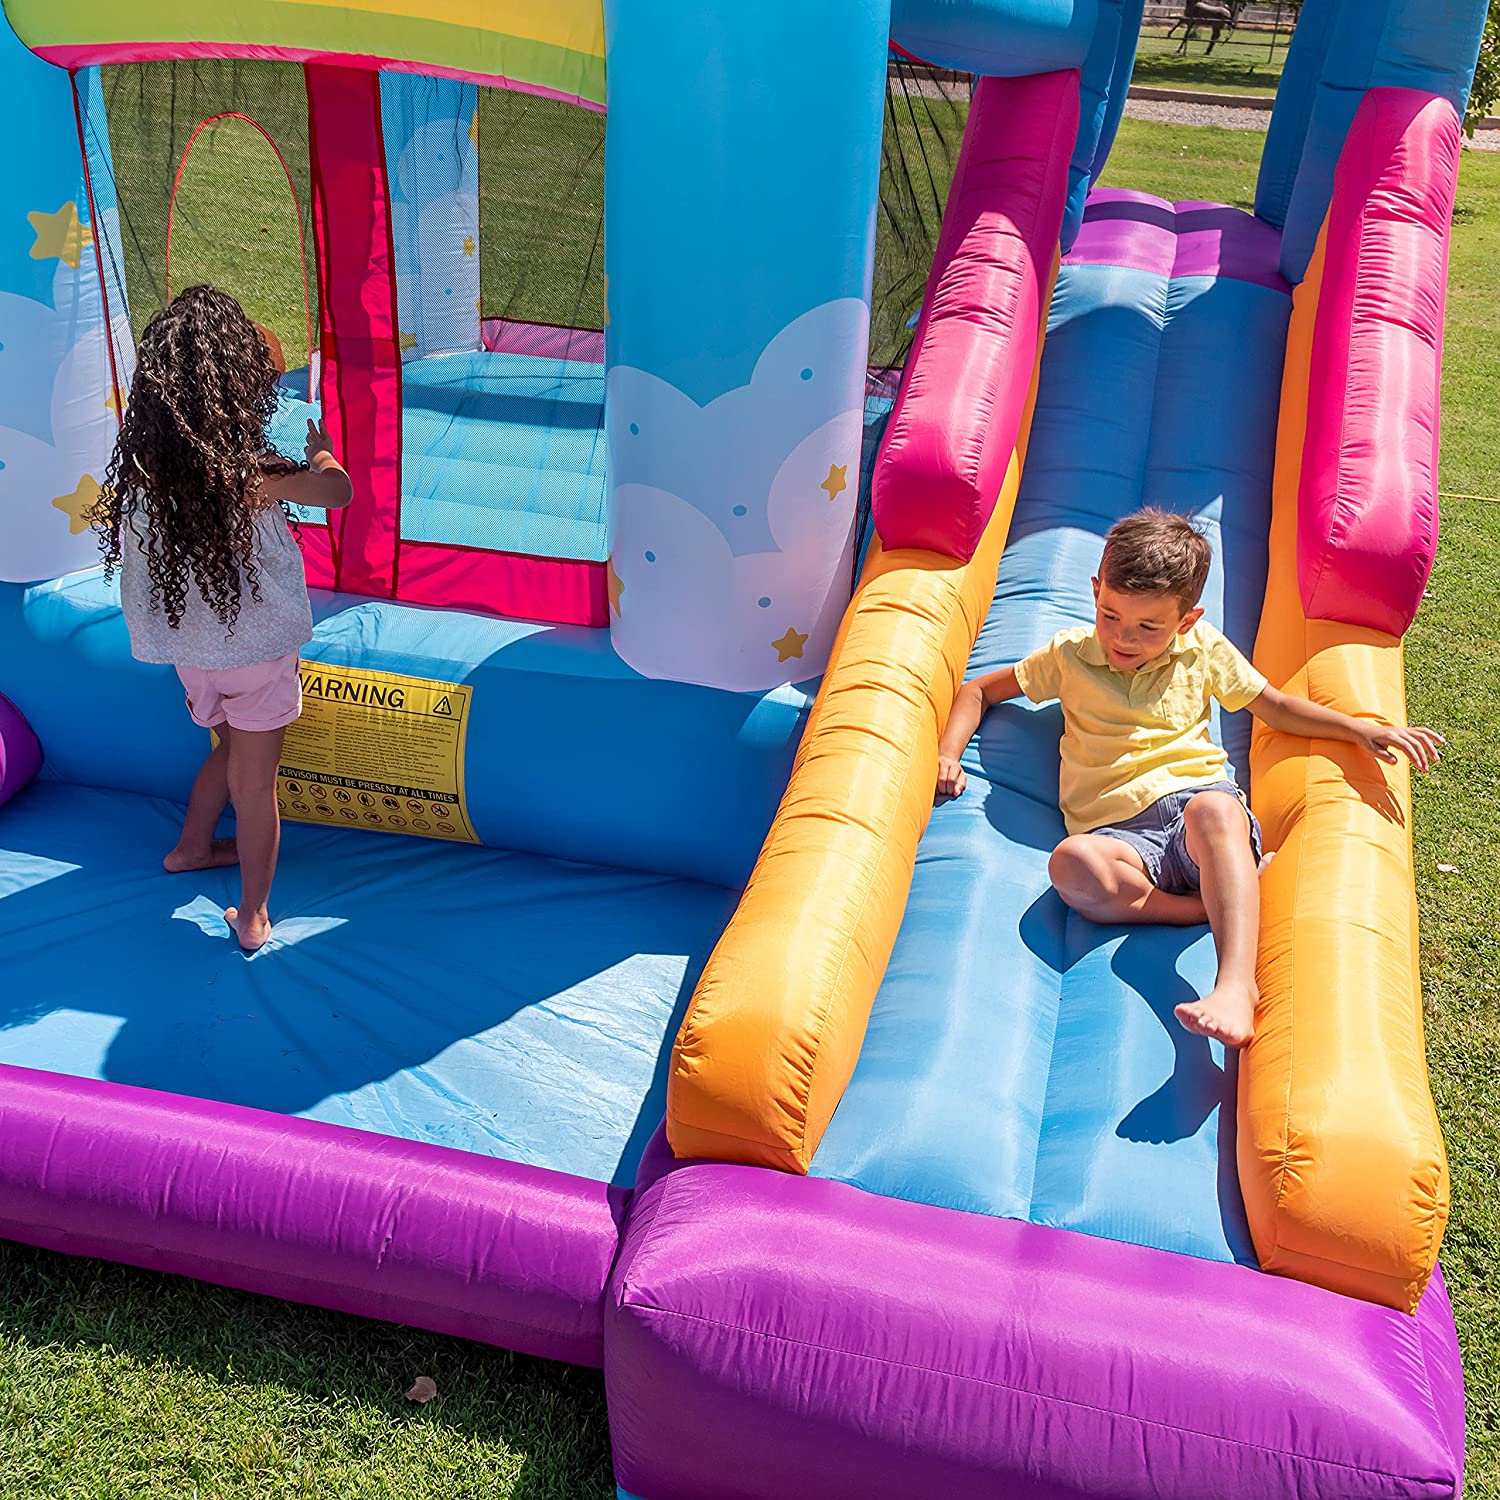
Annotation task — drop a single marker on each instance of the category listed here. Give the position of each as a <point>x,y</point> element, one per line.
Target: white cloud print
<point>732,524</point>
<point>56,428</point>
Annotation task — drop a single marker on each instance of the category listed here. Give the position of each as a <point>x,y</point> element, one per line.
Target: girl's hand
<point>951,779</point>
<point>317,441</point>
<point>1422,747</point>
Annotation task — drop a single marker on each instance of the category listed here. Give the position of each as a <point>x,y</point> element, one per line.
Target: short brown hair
<point>1156,552</point>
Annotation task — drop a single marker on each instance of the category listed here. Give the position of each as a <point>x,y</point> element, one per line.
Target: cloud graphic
<point>732,524</point>
<point>721,458</point>
<point>55,422</point>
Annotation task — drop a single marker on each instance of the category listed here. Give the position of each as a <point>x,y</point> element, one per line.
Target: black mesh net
<point>926,110</point>
<point>236,218</point>
<point>541,210</point>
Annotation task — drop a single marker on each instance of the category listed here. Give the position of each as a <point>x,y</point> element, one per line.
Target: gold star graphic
<point>616,585</point>
<point>60,236</point>
<point>408,341</point>
<point>835,484</point>
<point>114,402</point>
<point>790,644</point>
<point>79,506</point>
<point>469,245</point>
<point>474,128</point>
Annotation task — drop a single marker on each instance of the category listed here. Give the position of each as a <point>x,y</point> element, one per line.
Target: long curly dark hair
<point>192,444</point>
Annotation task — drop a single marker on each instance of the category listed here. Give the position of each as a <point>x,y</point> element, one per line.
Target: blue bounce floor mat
<point>508,1004</point>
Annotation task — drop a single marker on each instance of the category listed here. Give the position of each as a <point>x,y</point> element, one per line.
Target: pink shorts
<point>264,695</point>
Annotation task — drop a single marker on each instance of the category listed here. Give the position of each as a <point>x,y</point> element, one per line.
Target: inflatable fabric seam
<point>803,1085</point>
<point>1283,1167</point>
<point>1044,1398</point>
<point>1304,1161</point>
<point>935,616</point>
<point>626,1304</point>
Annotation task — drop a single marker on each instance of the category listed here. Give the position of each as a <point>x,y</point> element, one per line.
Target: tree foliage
<point>1487,75</point>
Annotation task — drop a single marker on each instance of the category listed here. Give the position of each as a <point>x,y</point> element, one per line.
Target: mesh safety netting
<point>235,221</point>
<point>502,445</point>
<point>926,110</point>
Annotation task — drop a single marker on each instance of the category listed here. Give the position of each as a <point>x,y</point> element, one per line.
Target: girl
<point>193,514</point>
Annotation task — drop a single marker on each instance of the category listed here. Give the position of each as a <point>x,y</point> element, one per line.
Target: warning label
<point>377,750</point>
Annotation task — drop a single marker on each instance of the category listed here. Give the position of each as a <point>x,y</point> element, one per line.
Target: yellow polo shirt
<point>1129,738</point>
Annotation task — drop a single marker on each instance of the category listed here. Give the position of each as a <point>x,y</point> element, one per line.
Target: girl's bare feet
<point>1226,1014</point>
<point>219,853</point>
<point>252,929</point>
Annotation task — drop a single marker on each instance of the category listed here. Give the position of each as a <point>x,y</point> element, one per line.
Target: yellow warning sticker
<point>377,750</point>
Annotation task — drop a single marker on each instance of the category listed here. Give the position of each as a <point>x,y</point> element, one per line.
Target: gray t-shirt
<point>278,622</point>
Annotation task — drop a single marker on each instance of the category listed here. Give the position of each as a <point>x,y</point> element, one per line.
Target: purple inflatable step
<point>769,1335</point>
<point>20,751</point>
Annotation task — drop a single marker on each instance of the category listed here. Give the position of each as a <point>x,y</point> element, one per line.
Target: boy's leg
<point>254,756</point>
<point>1218,841</point>
<point>1105,880</point>
<point>197,848</point>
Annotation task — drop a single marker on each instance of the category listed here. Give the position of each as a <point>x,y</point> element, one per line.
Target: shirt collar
<point>1090,651</point>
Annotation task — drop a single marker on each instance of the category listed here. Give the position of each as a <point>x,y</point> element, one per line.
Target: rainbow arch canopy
<point>722,1059</point>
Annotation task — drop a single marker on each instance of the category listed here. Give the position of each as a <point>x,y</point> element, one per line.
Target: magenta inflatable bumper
<point>762,1329</point>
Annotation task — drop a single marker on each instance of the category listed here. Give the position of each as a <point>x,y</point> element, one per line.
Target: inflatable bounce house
<point>689,1040</point>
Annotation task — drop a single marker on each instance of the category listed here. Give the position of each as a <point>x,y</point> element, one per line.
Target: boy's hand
<point>1421,746</point>
<point>318,441</point>
<point>951,779</point>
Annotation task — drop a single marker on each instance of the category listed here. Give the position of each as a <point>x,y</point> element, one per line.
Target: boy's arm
<point>969,705</point>
<point>1293,715</point>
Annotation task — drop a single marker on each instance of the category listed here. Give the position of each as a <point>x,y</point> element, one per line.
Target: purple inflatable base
<point>769,1335</point>
<point>765,1335</point>
<point>338,1218</point>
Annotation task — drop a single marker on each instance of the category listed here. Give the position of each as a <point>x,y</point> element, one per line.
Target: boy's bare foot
<point>1226,1014</point>
<point>252,929</point>
<point>219,853</point>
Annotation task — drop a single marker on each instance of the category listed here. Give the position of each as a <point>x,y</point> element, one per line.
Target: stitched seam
<point>1041,1396</point>
<point>883,850</point>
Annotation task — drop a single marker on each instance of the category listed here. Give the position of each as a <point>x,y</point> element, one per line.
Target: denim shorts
<point>1159,835</point>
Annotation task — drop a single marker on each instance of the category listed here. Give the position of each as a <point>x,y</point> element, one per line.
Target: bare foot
<point>218,854</point>
<point>1226,1014</point>
<point>252,929</point>
<point>1265,859</point>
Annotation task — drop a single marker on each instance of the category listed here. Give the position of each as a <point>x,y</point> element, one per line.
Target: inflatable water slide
<point>687,1039</point>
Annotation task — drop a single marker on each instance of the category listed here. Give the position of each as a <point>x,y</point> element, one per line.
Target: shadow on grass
<point>549,1416</point>
<point>1171,71</point>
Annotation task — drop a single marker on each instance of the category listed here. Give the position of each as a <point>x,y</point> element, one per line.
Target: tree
<point>1487,74</point>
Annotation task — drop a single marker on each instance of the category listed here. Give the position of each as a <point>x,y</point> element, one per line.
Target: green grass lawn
<point>1248,62</point>
<point>121,1385</point>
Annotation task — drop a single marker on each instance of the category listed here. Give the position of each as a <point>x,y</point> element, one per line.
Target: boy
<point>1157,829</point>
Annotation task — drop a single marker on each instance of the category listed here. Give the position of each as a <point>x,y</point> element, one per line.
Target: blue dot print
<point>650,557</point>
<point>807,374</point>
<point>447,291</point>
<point>764,601</point>
<point>635,429</point>
<point>739,510</point>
